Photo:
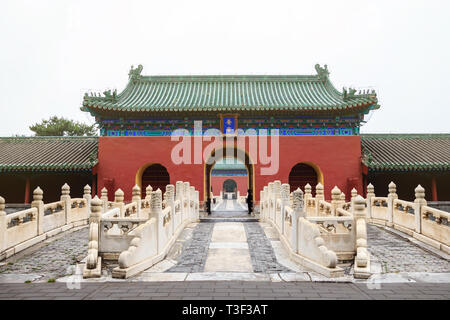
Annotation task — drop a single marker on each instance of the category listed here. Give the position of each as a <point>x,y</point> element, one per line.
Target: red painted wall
<point>217,184</point>
<point>338,157</point>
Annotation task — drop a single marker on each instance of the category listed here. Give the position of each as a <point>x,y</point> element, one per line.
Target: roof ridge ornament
<point>135,74</point>
<point>110,97</point>
<point>323,73</point>
<point>348,95</point>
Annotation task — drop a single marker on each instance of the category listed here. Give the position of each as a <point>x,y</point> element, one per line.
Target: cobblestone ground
<point>53,259</point>
<point>195,250</point>
<point>261,251</point>
<point>399,255</point>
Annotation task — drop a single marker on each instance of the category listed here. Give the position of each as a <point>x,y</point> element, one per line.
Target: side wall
<point>337,157</point>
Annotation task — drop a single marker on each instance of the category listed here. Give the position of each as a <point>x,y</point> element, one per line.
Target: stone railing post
<point>391,196</point>
<point>319,196</point>
<point>298,211</point>
<point>148,192</point>
<point>170,202</point>
<point>88,197</point>
<point>370,195</point>
<point>197,205</point>
<point>2,225</point>
<point>276,196</point>
<point>118,199</point>
<point>284,194</point>
<point>342,198</point>
<point>136,197</point>
<point>353,195</point>
<point>192,202</point>
<point>359,214</point>
<point>104,198</point>
<point>94,233</point>
<point>186,200</point>
<point>156,212</point>
<point>419,201</point>
<point>65,197</point>
<point>270,199</point>
<point>37,203</point>
<point>179,196</point>
<point>308,193</point>
<point>335,199</point>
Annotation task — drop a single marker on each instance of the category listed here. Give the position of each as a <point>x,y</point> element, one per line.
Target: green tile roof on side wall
<point>406,152</point>
<point>48,153</point>
<point>225,93</point>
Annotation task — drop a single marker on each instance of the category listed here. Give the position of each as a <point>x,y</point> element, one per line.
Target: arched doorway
<point>232,153</point>
<point>229,188</point>
<point>302,174</point>
<point>155,175</point>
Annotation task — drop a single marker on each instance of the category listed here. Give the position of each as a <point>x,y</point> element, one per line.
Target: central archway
<point>232,152</point>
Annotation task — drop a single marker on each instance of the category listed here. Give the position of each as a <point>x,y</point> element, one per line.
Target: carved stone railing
<point>25,228</point>
<point>416,219</point>
<point>287,212</point>
<point>140,233</point>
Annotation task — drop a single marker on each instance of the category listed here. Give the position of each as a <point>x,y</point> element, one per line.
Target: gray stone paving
<point>261,252</point>
<point>195,250</point>
<point>397,254</point>
<point>51,259</point>
<point>219,290</point>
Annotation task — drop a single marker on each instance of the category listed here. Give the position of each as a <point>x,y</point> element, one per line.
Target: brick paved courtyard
<point>220,290</point>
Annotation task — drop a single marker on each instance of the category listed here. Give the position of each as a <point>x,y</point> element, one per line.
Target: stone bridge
<point>167,237</point>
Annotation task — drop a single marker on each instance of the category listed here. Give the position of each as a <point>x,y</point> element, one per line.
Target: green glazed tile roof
<point>229,164</point>
<point>406,152</point>
<point>308,93</point>
<point>48,153</point>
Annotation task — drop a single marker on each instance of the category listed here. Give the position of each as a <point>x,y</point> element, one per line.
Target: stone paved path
<point>51,259</point>
<point>224,290</point>
<point>399,255</point>
<point>261,251</point>
<point>195,250</point>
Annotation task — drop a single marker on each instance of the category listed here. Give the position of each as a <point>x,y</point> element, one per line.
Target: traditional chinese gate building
<point>318,128</point>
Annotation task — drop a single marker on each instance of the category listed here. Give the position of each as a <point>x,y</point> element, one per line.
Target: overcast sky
<point>52,52</point>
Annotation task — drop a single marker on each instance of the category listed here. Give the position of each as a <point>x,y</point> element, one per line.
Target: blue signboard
<point>228,124</point>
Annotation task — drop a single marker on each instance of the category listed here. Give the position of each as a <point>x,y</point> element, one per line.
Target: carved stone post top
<point>96,204</point>
<point>285,190</point>
<point>370,188</point>
<point>119,195</point>
<point>336,193</point>
<point>148,190</point>
<point>319,190</point>
<point>38,194</point>
<point>156,202</point>
<point>136,188</point>
<point>354,192</point>
<point>420,194</point>
<point>342,196</point>
<point>87,189</point>
<point>170,193</point>
<point>392,187</point>
<point>104,191</point>
<point>359,205</point>
<point>65,189</point>
<point>297,200</point>
<point>308,188</point>
<point>2,204</point>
